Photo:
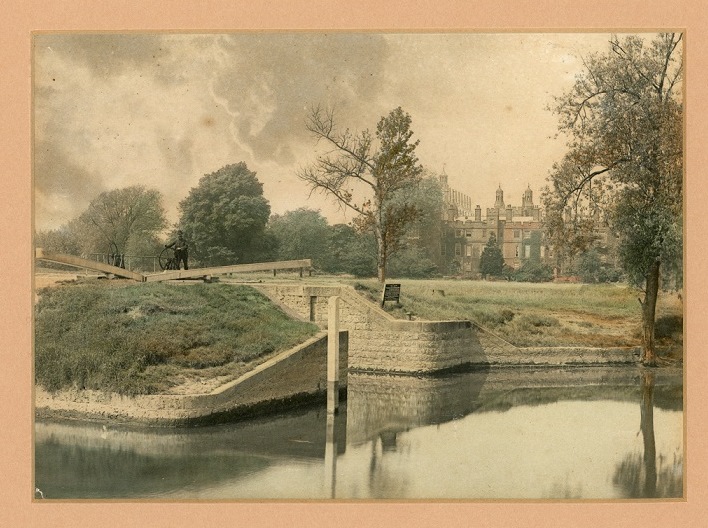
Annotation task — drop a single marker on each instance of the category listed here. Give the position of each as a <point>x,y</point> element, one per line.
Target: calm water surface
<point>505,434</point>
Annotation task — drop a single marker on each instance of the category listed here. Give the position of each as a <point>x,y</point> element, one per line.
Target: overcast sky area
<point>164,109</point>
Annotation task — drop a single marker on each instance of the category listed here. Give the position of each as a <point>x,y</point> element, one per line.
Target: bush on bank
<point>136,338</point>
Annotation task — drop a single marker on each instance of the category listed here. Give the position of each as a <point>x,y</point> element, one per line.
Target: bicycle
<point>167,259</point>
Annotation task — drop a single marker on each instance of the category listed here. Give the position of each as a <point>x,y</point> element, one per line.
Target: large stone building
<point>517,229</point>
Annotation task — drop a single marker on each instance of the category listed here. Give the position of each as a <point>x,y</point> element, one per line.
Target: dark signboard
<point>392,292</point>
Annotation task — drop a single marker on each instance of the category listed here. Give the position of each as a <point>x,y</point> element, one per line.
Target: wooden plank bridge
<point>195,273</point>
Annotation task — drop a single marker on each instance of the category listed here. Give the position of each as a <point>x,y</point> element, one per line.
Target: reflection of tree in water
<point>383,484</point>
<point>565,490</point>
<point>638,475</point>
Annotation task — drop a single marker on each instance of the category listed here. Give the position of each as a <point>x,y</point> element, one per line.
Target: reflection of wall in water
<point>298,433</point>
<point>383,405</point>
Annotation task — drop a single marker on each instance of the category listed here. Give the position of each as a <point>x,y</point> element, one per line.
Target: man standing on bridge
<point>180,246</point>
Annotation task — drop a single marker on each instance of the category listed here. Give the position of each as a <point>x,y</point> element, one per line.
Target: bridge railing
<point>147,263</point>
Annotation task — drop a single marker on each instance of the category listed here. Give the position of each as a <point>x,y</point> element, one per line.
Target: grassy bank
<point>547,314</point>
<point>145,338</point>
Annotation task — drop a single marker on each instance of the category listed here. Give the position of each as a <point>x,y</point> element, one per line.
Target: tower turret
<point>499,203</point>
<point>527,200</point>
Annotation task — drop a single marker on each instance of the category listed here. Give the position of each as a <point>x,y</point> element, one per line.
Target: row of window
<point>475,251</point>
<point>462,233</point>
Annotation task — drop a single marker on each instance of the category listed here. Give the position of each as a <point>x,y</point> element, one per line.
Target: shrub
<point>533,272</point>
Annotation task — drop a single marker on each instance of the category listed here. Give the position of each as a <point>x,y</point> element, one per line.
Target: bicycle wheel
<point>166,259</point>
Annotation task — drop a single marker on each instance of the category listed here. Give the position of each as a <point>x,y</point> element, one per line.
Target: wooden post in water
<point>331,457</point>
<point>333,355</point>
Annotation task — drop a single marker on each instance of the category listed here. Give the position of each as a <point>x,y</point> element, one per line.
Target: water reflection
<point>507,434</point>
<point>637,474</point>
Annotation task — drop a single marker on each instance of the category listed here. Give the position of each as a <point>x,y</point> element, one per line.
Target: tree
<point>349,251</point>
<point>491,262</point>
<point>412,262</point>
<point>224,218</point>
<point>129,218</point>
<point>61,240</point>
<point>624,163</point>
<point>423,235</point>
<point>383,166</point>
<point>300,234</point>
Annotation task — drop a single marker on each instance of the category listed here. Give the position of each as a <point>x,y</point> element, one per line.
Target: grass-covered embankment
<point>144,338</point>
<point>540,314</point>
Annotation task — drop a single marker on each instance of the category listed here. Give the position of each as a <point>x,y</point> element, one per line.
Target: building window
<point>468,251</point>
<point>516,254</point>
<point>527,251</point>
<point>458,233</point>
<point>484,233</point>
<point>468,233</point>
<point>527,233</point>
<point>517,233</point>
<point>458,249</point>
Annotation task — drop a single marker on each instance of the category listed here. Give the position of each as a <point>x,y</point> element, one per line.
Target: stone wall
<point>294,377</point>
<point>377,341</point>
<point>380,343</point>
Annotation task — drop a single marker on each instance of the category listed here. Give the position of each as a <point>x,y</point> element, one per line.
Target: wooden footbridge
<point>196,273</point>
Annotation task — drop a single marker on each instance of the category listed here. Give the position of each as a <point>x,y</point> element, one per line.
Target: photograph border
<point>24,18</point>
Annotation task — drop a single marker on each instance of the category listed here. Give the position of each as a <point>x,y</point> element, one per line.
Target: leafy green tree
<point>532,271</point>
<point>591,268</point>
<point>224,218</point>
<point>61,240</point>
<point>383,164</point>
<point>130,218</point>
<point>491,261</point>
<point>412,262</point>
<point>350,251</point>
<point>300,234</point>
<point>624,163</point>
<point>423,236</point>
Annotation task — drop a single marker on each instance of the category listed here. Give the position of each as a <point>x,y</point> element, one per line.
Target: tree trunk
<point>381,252</point>
<point>647,426</point>
<point>649,314</point>
<point>381,263</point>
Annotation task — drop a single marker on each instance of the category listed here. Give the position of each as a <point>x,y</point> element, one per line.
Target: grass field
<point>543,314</point>
<point>150,338</point>
<point>133,338</point>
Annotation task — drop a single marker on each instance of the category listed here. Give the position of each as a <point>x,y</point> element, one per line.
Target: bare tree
<point>383,165</point>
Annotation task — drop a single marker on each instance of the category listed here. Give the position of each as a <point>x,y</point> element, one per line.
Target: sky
<point>163,109</point>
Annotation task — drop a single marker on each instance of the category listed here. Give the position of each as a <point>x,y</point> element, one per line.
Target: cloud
<point>271,80</point>
<point>109,54</point>
<point>164,109</point>
<point>61,186</point>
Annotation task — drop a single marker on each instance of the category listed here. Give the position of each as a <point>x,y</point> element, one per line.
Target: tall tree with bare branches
<point>624,164</point>
<point>368,174</point>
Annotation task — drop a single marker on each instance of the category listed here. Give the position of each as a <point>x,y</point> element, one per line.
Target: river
<point>584,433</point>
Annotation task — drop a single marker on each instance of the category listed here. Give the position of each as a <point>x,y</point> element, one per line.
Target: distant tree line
<point>227,220</point>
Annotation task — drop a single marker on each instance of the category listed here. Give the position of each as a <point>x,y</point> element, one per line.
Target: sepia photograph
<point>358,265</point>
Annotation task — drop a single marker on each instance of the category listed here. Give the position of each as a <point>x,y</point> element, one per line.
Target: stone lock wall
<point>296,376</point>
<point>379,342</point>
